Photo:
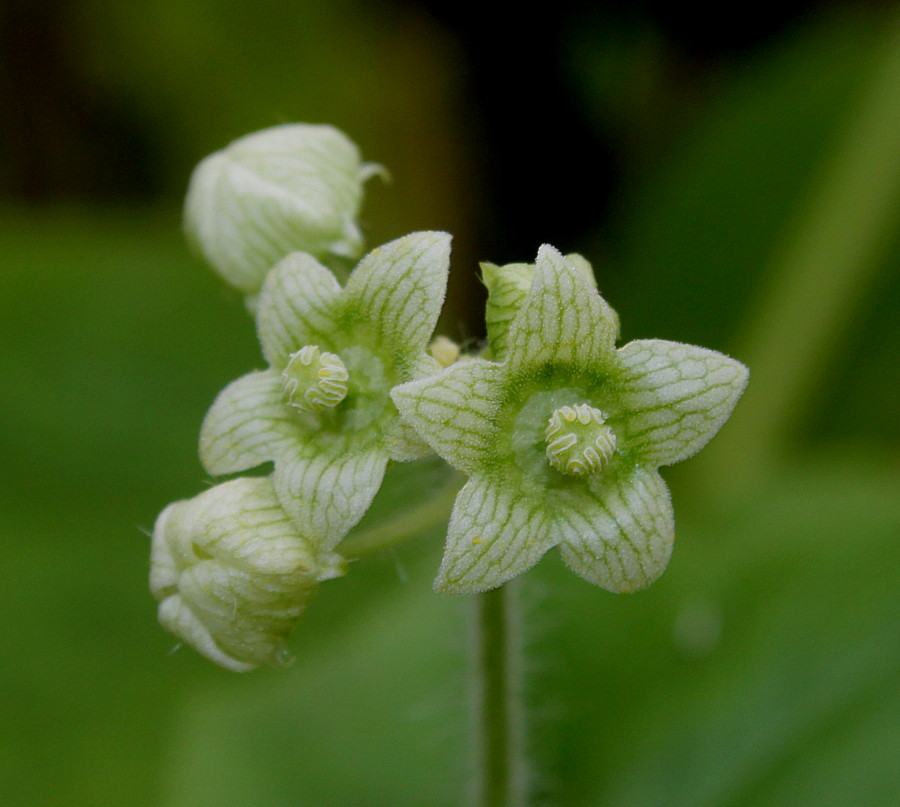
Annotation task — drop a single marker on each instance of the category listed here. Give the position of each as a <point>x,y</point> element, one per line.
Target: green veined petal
<point>494,535</point>
<point>296,307</point>
<point>328,491</point>
<point>454,410</point>
<point>563,319</point>
<point>618,535</point>
<point>398,289</point>
<point>247,425</point>
<point>676,397</point>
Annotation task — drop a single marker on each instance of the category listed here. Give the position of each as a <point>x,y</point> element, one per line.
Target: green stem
<point>431,513</point>
<point>497,689</point>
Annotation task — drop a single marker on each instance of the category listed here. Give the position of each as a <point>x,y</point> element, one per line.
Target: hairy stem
<point>433,512</point>
<point>497,699</point>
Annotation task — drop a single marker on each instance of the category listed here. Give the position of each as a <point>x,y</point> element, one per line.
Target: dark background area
<point>735,181</point>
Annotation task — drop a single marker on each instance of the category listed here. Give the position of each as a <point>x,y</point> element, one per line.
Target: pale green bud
<point>232,573</point>
<point>294,187</point>
<point>508,286</point>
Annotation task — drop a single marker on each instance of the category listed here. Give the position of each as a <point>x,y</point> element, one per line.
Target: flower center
<point>314,381</point>
<point>578,440</point>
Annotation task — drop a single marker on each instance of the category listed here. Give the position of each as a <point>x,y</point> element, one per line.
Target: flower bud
<point>232,574</point>
<point>508,286</point>
<point>294,187</point>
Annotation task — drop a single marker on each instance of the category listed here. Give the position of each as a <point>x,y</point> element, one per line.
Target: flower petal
<point>676,397</point>
<point>454,410</point>
<point>564,319</point>
<point>495,534</point>
<point>328,492</point>
<point>246,425</point>
<point>403,442</point>
<point>399,289</point>
<point>619,536</point>
<point>295,307</point>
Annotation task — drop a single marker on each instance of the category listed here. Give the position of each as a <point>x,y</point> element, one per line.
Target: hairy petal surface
<point>508,288</point>
<point>676,397</point>
<point>296,307</point>
<point>494,535</point>
<point>399,289</point>
<point>329,491</point>
<point>564,319</point>
<point>454,410</point>
<point>287,188</point>
<point>618,536</point>
<point>247,425</point>
<point>232,573</point>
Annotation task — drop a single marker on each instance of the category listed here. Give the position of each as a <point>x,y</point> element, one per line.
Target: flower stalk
<point>497,689</point>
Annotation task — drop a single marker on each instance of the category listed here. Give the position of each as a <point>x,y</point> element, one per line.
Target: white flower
<point>562,438</point>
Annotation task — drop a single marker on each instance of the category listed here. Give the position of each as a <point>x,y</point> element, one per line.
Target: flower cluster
<point>559,431</point>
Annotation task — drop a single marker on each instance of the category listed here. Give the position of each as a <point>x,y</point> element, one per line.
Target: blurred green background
<point>736,183</point>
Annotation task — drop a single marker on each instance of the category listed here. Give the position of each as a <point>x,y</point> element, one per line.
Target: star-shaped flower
<point>563,436</point>
<point>322,411</point>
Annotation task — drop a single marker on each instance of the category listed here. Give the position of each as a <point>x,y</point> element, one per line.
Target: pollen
<point>579,442</point>
<point>444,350</point>
<point>314,381</point>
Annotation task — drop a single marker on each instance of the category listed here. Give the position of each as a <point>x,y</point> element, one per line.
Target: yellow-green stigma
<point>314,381</point>
<point>578,440</point>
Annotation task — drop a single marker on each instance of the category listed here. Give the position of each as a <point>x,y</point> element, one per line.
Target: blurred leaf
<point>109,363</point>
<point>373,713</point>
<point>698,230</point>
<point>771,640</point>
<point>721,685</point>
